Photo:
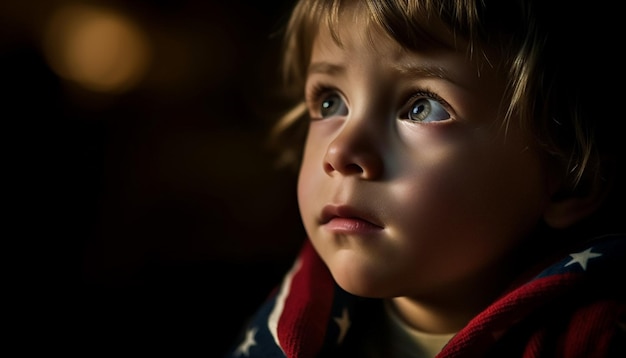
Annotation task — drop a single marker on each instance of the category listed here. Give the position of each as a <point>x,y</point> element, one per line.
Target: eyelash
<point>425,93</point>
<point>317,92</point>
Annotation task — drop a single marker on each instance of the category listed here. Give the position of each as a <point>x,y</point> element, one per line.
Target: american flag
<point>573,307</point>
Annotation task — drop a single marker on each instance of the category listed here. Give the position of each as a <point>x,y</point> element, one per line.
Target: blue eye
<point>426,110</point>
<point>333,105</point>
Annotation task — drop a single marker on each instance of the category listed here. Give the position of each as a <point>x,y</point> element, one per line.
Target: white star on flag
<point>344,323</point>
<point>582,258</point>
<point>244,347</point>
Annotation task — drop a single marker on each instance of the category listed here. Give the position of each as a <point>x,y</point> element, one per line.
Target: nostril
<point>353,169</point>
<point>347,169</point>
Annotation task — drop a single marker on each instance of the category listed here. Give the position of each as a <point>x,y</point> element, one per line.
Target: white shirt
<point>407,342</point>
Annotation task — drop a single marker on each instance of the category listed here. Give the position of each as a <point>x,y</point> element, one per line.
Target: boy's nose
<point>355,151</point>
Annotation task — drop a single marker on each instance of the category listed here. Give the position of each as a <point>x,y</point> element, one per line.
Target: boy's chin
<point>358,285</point>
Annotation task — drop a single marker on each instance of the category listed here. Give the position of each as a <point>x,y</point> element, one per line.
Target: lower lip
<point>351,226</point>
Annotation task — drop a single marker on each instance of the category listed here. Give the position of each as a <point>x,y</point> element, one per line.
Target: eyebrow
<point>408,69</point>
<point>325,68</point>
<point>431,71</point>
<point>425,71</point>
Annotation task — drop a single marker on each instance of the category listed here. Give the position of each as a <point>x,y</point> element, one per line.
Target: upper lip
<point>344,211</point>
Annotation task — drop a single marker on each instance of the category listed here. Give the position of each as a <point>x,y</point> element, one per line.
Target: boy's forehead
<point>352,37</point>
<point>355,25</point>
<point>358,33</point>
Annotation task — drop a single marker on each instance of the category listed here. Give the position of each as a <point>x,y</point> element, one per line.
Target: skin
<point>425,213</point>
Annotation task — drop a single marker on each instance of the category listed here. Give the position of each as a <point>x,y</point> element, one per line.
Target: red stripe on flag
<point>302,325</point>
<point>483,330</point>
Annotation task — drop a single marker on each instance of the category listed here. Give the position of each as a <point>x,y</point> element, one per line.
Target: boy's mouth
<point>348,220</point>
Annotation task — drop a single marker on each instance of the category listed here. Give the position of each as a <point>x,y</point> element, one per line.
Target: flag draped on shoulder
<point>573,307</point>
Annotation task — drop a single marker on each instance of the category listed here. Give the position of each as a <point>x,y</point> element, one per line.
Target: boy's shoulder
<point>576,304</point>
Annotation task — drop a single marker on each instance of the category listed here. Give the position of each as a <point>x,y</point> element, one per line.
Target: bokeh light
<point>97,48</point>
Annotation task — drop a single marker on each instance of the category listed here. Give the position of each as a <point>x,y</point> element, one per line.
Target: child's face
<point>408,185</point>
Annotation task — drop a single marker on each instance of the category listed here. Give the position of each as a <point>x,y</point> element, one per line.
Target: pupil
<point>418,109</point>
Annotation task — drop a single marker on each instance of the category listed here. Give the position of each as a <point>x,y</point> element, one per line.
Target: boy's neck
<point>436,319</point>
<point>448,312</point>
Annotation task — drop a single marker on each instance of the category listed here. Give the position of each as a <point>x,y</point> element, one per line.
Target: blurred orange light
<point>99,49</point>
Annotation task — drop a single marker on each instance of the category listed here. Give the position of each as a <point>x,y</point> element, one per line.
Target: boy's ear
<point>568,206</point>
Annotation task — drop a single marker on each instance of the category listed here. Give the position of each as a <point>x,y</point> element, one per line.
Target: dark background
<point>154,220</point>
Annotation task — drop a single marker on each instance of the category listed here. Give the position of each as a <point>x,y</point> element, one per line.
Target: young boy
<point>457,183</point>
